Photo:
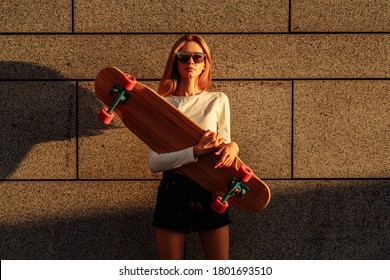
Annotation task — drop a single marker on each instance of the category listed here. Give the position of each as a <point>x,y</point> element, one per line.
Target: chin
<point>193,75</point>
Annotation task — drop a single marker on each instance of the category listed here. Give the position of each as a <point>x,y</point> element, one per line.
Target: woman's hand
<point>229,153</point>
<point>209,142</point>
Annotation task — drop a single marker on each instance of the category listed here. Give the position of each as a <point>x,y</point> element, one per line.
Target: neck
<point>188,87</point>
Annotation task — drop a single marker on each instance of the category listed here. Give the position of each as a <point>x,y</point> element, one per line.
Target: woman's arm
<point>230,150</point>
<point>210,142</point>
<point>168,161</point>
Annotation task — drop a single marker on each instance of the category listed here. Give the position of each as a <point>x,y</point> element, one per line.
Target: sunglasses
<point>184,56</point>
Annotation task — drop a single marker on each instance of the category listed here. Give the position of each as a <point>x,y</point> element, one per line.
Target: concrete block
<point>341,129</point>
<point>38,130</point>
<point>340,16</point>
<point>313,219</point>
<point>301,56</point>
<point>261,124</point>
<point>35,16</point>
<point>111,152</point>
<point>316,219</point>
<point>81,56</point>
<point>234,56</point>
<point>78,220</point>
<point>181,16</point>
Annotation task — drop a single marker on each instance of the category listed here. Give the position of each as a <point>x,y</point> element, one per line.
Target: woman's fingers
<point>211,139</point>
<point>225,158</point>
<point>229,152</point>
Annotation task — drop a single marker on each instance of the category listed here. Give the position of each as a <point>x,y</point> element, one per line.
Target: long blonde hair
<point>171,78</point>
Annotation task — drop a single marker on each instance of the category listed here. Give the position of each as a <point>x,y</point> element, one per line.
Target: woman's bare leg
<point>170,244</point>
<point>215,243</point>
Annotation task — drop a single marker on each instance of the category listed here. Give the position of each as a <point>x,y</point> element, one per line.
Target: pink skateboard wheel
<point>105,117</point>
<point>245,173</point>
<point>127,82</point>
<point>218,206</point>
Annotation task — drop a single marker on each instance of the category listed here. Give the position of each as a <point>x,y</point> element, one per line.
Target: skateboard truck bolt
<point>119,95</point>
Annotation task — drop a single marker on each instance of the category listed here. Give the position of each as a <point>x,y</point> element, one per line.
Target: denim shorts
<point>183,205</point>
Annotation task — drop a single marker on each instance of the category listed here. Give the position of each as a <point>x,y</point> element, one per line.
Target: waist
<point>172,175</point>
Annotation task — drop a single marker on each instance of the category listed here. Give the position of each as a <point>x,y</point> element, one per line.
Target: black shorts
<point>183,205</point>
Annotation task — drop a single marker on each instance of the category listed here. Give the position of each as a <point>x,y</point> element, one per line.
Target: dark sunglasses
<point>184,56</point>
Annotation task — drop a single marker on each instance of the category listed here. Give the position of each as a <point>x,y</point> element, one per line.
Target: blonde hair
<point>171,78</point>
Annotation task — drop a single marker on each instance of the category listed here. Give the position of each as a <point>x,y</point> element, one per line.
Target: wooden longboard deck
<point>165,129</point>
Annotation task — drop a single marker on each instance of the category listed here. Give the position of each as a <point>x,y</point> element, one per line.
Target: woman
<point>182,205</point>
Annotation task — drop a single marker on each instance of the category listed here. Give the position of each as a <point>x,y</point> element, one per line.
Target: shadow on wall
<point>39,106</point>
<point>110,236</point>
<point>43,115</point>
<point>319,220</point>
<point>324,221</point>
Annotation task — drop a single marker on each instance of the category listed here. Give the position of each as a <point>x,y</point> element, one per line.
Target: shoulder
<point>222,99</point>
<point>220,96</point>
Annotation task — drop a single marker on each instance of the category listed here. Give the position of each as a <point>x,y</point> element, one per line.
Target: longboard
<point>165,129</point>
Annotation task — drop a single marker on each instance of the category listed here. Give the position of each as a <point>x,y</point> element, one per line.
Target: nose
<point>191,60</point>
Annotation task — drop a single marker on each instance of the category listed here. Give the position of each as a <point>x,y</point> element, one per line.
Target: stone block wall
<point>309,87</point>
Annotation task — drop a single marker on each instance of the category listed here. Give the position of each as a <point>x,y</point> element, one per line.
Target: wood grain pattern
<point>165,129</point>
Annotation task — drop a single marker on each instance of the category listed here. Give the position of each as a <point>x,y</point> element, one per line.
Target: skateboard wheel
<point>127,82</point>
<point>245,173</point>
<point>218,206</point>
<point>105,117</point>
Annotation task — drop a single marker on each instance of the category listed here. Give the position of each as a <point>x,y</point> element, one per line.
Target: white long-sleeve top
<point>210,110</point>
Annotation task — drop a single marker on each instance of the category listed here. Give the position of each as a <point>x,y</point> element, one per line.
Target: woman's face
<point>191,69</point>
